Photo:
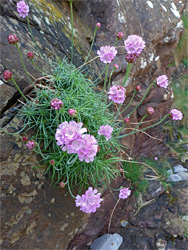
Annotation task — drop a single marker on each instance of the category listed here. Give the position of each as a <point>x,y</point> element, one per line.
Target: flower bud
<point>12,39</point>
<point>56,104</point>
<point>121,170</point>
<point>7,75</point>
<point>126,120</point>
<point>138,88</point>
<point>116,66</point>
<point>24,139</point>
<point>31,144</point>
<point>72,112</point>
<point>120,35</point>
<point>150,110</point>
<point>98,25</point>
<point>30,55</point>
<point>52,162</point>
<point>62,184</point>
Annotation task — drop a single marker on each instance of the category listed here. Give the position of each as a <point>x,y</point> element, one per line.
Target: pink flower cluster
<point>22,8</point>
<point>162,81</point>
<point>106,131</point>
<point>117,94</point>
<point>134,44</point>
<point>124,193</point>
<point>70,136</point>
<point>30,144</point>
<point>107,54</point>
<point>89,202</point>
<point>176,114</point>
<point>56,104</point>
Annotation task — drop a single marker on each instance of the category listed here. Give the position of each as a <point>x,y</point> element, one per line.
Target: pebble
<point>179,169</point>
<point>124,223</point>
<point>174,178</point>
<point>107,242</point>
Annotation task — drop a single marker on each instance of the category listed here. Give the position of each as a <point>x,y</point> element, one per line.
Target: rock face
<point>32,211</point>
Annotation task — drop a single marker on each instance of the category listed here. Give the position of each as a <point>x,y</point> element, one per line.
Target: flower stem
<point>133,132</point>
<point>129,67</point>
<point>36,67</point>
<point>57,115</point>
<point>19,89</point>
<point>72,33</point>
<point>112,215</point>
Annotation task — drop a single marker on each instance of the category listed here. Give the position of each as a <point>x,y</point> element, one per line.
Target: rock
<point>161,244</point>
<point>179,168</point>
<point>124,223</point>
<point>183,176</point>
<point>107,241</point>
<point>174,178</point>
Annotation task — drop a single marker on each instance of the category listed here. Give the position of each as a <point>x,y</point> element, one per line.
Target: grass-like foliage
<point>79,93</point>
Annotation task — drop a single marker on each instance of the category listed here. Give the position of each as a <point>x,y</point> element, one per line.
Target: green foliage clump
<point>77,92</point>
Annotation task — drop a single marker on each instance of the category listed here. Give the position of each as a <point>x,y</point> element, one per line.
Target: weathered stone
<point>107,241</point>
<point>179,169</point>
<point>183,176</point>
<point>174,178</point>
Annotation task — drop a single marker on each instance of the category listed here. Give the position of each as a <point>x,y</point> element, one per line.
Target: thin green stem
<point>19,90</point>
<point>110,220</point>
<point>36,67</point>
<point>57,115</point>
<point>133,132</point>
<point>72,31</point>
<point>141,99</point>
<point>129,67</point>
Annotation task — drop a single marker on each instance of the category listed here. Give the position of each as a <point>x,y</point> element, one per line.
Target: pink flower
<point>120,35</point>
<point>107,53</point>
<point>138,88</point>
<point>7,75</point>
<point>72,112</point>
<point>69,132</point>
<point>106,131</point>
<point>131,58</point>
<point>98,25</point>
<point>116,66</point>
<point>56,104</point>
<point>176,114</point>
<point>117,94</point>
<point>24,139</point>
<point>12,39</point>
<point>134,44</point>
<point>30,144</point>
<point>162,81</point>
<point>155,158</point>
<point>30,55</point>
<point>87,148</point>
<point>89,202</point>
<point>150,110</point>
<point>22,8</point>
<point>124,193</point>
<point>126,120</point>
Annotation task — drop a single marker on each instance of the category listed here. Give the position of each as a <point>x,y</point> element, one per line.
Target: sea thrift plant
<point>30,55</point>
<point>134,44</point>
<point>106,131</point>
<point>12,39</point>
<point>56,104</point>
<point>175,114</point>
<point>124,193</point>
<point>131,58</point>
<point>7,75</point>
<point>126,120</point>
<point>22,8</point>
<point>117,94</point>
<point>107,54</point>
<point>120,35</point>
<point>98,25</point>
<point>150,110</point>
<point>162,81</point>
<point>30,144</point>
<point>72,112</point>
<point>89,202</point>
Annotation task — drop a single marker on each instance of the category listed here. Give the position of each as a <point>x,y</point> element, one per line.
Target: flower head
<point>89,202</point>
<point>150,110</point>
<point>162,81</point>
<point>138,88</point>
<point>120,35</point>
<point>56,104</point>
<point>106,131</point>
<point>116,66</point>
<point>30,144</point>
<point>131,58</point>
<point>117,94</point>
<point>22,8</point>
<point>62,184</point>
<point>12,39</point>
<point>24,139</point>
<point>124,193</point>
<point>134,44</point>
<point>30,55</point>
<point>98,25</point>
<point>126,120</point>
<point>52,162</point>
<point>175,114</point>
<point>72,112</point>
<point>7,75</point>
<point>107,53</point>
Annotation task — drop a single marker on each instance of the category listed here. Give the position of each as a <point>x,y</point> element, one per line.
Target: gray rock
<point>107,241</point>
<point>183,176</point>
<point>174,178</point>
<point>179,168</point>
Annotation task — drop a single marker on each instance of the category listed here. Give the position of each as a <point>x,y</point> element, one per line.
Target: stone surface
<point>179,169</point>
<point>107,241</point>
<point>174,178</point>
<point>183,176</point>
